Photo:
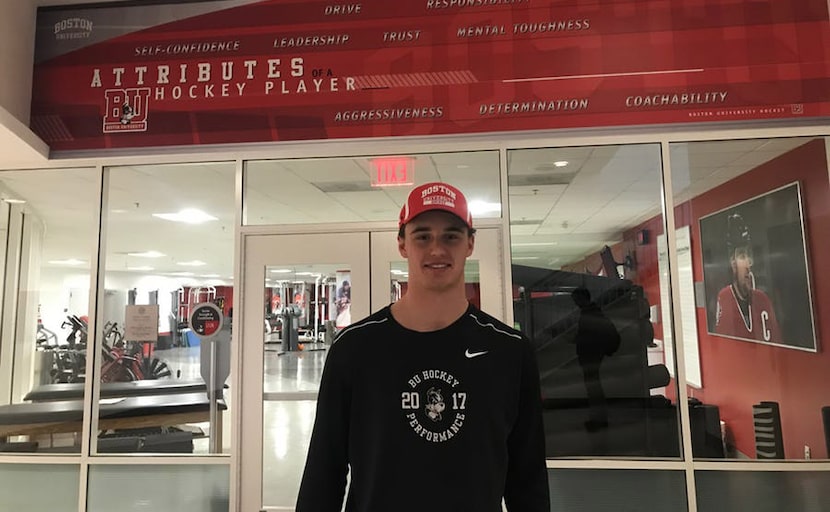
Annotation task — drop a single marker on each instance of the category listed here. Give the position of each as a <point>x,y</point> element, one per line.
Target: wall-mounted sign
<point>231,71</point>
<point>206,320</point>
<point>141,323</point>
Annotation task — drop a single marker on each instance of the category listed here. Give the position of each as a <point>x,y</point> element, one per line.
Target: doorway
<point>298,291</point>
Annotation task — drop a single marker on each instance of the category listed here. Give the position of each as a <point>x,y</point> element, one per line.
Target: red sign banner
<point>127,76</point>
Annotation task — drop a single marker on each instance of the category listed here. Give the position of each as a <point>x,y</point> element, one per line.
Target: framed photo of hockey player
<point>755,271</point>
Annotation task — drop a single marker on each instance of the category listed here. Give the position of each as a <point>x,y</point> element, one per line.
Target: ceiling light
<point>534,244</point>
<point>210,276</point>
<point>477,207</point>
<point>188,216</point>
<point>281,271</point>
<point>146,254</point>
<point>517,258</point>
<point>14,201</point>
<point>561,163</point>
<point>140,269</point>
<point>71,261</point>
<point>182,274</point>
<point>194,263</point>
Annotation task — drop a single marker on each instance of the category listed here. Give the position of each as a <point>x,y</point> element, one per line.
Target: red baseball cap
<point>435,196</point>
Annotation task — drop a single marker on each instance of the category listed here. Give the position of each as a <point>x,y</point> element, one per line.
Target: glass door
<point>298,292</point>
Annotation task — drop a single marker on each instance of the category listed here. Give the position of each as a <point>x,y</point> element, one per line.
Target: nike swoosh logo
<point>471,355</point>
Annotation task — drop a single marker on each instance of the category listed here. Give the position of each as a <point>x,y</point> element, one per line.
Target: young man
<point>743,311</point>
<point>432,404</point>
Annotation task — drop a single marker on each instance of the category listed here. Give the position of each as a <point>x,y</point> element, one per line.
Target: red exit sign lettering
<point>393,172</point>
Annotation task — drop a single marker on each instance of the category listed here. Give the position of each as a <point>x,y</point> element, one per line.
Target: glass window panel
<point>763,491</point>
<point>755,217</point>
<point>22,487</point>
<point>305,306</point>
<point>591,490</point>
<point>179,487</point>
<point>169,247</point>
<point>347,189</point>
<point>584,223</point>
<point>286,436</point>
<point>50,234</point>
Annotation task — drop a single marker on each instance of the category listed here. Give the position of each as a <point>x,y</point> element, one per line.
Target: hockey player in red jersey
<point>743,311</point>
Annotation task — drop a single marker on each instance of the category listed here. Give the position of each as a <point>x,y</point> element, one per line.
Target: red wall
<point>737,374</point>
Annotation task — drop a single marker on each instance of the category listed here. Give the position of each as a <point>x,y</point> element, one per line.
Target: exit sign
<point>393,171</point>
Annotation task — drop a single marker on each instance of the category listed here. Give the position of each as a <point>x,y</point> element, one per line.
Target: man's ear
<point>471,244</point>
<point>402,247</point>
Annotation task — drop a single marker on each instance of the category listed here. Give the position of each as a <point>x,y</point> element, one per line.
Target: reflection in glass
<point>755,214</point>
<point>169,248</point>
<point>583,223</point>
<point>50,234</point>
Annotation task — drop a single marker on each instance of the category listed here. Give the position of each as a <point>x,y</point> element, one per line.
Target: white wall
<point>17,50</point>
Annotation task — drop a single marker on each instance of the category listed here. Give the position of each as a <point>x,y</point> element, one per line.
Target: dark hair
<point>737,233</point>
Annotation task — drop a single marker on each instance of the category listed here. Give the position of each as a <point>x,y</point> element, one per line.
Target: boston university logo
<point>126,110</point>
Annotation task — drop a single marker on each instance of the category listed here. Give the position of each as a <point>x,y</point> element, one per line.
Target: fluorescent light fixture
<point>70,261</point>
<point>194,263</point>
<point>517,258</point>
<point>305,273</point>
<point>281,271</point>
<point>118,210</point>
<point>182,274</point>
<point>188,216</point>
<point>478,207</point>
<point>14,201</point>
<point>140,269</point>
<point>534,244</point>
<point>561,163</point>
<point>211,276</point>
<point>146,254</point>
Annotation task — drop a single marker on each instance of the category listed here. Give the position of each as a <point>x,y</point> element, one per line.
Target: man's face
<point>436,244</point>
<point>742,271</point>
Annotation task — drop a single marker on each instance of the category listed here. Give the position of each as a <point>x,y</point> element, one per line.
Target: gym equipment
<point>54,392</point>
<point>27,419</point>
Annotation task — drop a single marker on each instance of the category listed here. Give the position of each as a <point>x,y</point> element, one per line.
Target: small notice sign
<point>206,320</point>
<point>142,323</point>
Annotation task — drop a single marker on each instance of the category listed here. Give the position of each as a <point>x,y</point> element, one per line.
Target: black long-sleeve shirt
<point>448,420</point>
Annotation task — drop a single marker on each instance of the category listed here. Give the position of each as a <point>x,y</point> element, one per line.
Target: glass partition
<point>584,225</point>
<point>50,232</point>
<point>179,487</point>
<point>22,487</point>
<point>169,250</point>
<point>763,491</point>
<point>609,490</point>
<point>753,218</point>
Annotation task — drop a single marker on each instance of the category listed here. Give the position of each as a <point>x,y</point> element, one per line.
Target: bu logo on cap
<point>435,196</point>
